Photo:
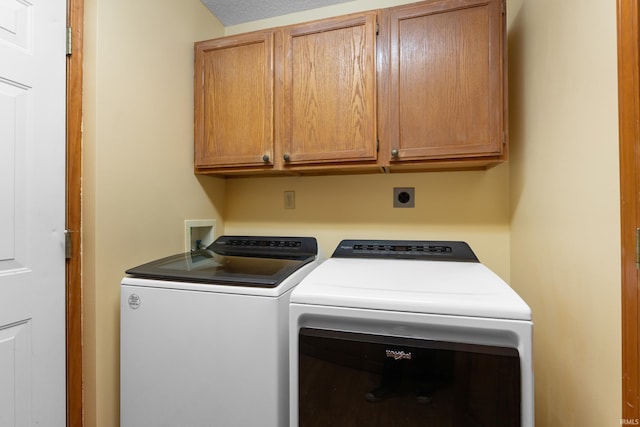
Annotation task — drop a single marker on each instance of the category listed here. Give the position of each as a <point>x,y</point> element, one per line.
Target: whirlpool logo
<point>398,354</point>
<point>134,301</point>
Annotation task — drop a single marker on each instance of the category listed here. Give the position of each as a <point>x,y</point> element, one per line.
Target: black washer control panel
<point>266,246</point>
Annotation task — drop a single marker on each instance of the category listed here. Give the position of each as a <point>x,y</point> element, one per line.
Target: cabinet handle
<point>394,152</point>
<point>265,158</point>
<point>286,157</point>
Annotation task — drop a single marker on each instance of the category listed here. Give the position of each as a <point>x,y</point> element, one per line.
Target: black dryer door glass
<point>353,379</point>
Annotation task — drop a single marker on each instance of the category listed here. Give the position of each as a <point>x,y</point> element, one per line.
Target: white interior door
<point>32,210</point>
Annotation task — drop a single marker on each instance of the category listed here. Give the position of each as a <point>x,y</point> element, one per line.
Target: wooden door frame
<point>75,401</point>
<point>629,128</point>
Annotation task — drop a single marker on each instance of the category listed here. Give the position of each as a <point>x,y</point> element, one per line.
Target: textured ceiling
<point>233,12</point>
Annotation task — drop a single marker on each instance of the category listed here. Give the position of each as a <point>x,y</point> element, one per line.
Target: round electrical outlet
<point>404,197</point>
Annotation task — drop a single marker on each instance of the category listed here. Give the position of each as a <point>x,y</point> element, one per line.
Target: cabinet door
<point>234,101</point>
<point>329,91</point>
<point>446,80</point>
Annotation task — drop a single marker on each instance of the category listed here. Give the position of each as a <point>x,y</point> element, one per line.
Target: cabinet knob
<point>265,158</point>
<point>394,152</point>
<point>286,157</point>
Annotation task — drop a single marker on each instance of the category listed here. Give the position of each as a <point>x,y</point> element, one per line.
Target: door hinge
<point>69,40</point>
<point>504,7</point>
<point>377,29</point>
<point>68,244</point>
<point>637,248</point>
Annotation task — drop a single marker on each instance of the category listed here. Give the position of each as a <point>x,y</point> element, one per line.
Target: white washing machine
<point>204,335</point>
<point>409,333</point>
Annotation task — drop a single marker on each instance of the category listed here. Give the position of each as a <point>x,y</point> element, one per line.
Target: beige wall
<point>138,184</point>
<point>565,229</point>
<point>546,221</point>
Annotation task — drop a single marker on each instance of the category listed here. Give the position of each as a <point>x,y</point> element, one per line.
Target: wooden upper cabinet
<point>445,86</point>
<point>414,87</point>
<point>234,98</point>
<point>329,91</point>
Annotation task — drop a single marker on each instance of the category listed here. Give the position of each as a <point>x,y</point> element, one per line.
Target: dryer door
<point>353,379</point>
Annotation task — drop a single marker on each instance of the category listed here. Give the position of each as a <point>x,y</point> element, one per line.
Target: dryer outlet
<point>404,197</point>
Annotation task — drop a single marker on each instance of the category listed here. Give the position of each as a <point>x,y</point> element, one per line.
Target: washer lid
<point>235,260</point>
<point>409,285</point>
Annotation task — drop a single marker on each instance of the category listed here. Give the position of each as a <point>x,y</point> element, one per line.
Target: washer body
<point>206,354</point>
<point>398,298</point>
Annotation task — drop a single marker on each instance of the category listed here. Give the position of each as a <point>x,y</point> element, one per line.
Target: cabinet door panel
<point>446,80</point>
<point>330,91</point>
<point>234,101</point>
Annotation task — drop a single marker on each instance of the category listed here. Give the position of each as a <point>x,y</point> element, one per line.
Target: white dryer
<point>409,333</point>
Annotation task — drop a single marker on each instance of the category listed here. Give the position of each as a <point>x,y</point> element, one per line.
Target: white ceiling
<point>233,12</point>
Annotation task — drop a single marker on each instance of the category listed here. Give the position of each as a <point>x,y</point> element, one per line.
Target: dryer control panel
<point>406,249</point>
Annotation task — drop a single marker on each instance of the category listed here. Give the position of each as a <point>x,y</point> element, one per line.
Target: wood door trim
<point>629,128</point>
<point>75,401</point>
